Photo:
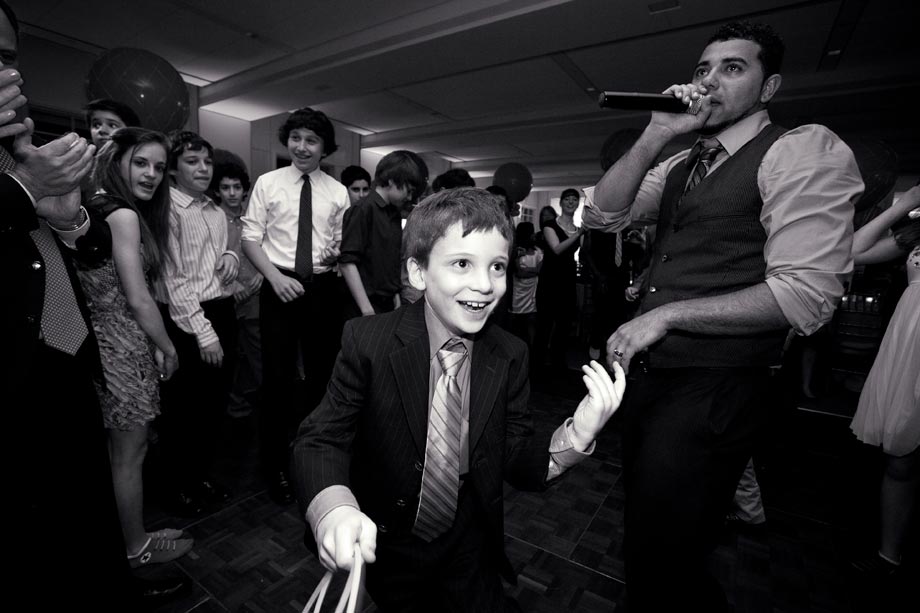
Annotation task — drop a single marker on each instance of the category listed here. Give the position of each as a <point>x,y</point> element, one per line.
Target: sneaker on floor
<point>874,566</point>
<point>158,551</point>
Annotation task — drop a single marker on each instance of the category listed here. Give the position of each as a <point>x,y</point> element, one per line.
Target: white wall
<point>227,133</point>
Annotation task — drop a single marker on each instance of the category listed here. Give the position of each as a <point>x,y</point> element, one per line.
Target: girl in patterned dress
<point>134,348</point>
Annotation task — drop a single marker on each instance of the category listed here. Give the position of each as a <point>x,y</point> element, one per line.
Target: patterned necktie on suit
<point>63,326</point>
<point>701,157</point>
<point>441,476</point>
<point>303,259</point>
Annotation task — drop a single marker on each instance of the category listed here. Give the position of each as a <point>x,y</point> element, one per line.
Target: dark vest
<point>712,244</point>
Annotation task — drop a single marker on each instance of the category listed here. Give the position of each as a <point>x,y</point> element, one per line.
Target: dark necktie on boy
<point>303,259</point>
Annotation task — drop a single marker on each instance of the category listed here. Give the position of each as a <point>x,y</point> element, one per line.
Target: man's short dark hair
<point>476,209</point>
<point>403,168</point>
<point>229,170</point>
<point>455,177</point>
<point>307,118</point>
<point>119,109</point>
<point>355,173</point>
<point>771,45</point>
<point>184,140</point>
<point>569,192</point>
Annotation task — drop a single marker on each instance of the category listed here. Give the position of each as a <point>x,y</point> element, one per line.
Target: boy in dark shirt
<point>371,239</point>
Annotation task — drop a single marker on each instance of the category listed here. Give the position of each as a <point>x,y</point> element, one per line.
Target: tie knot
<point>704,151</point>
<point>451,356</point>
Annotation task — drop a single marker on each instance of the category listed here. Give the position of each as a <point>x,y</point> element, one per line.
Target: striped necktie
<point>303,257</point>
<point>63,326</point>
<point>701,157</point>
<point>441,476</point>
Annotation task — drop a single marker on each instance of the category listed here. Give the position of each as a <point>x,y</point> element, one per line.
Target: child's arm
<point>184,307</point>
<point>353,281</point>
<point>322,462</point>
<point>354,243</point>
<point>126,252</point>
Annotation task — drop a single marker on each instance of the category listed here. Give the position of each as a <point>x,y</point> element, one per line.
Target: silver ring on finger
<point>618,353</point>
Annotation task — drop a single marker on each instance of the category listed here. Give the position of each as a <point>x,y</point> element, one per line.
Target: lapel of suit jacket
<point>410,367</point>
<point>485,382</point>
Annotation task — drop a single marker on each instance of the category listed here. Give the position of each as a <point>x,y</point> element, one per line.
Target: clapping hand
<point>601,402</point>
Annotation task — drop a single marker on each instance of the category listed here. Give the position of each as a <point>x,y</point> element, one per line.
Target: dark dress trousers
<point>67,543</point>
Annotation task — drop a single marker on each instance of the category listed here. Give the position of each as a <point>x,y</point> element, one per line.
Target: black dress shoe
<point>214,493</point>
<point>155,592</point>
<point>280,489</point>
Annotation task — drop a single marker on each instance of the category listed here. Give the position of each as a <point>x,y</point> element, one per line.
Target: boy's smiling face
<point>464,279</point>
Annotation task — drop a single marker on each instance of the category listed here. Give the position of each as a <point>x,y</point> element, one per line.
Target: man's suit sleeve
<point>19,212</point>
<point>321,455</point>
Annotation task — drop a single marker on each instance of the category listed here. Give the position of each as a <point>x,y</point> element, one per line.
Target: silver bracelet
<point>84,217</point>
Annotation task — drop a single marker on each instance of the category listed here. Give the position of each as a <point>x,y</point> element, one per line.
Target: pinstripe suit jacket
<point>370,430</point>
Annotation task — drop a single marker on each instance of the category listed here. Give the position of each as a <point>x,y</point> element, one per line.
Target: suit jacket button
<point>652,289</point>
<point>400,503</point>
<point>419,466</point>
<point>36,265</point>
<point>381,529</point>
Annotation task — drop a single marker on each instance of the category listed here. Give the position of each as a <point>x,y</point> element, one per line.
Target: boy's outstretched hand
<point>337,534</point>
<point>601,402</point>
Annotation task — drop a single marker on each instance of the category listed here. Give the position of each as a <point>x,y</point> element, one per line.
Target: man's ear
<point>416,274</point>
<point>770,87</point>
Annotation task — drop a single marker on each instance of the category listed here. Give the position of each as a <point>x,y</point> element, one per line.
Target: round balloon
<point>515,179</point>
<point>145,82</point>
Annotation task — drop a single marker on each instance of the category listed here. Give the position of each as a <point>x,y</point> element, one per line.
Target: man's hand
<point>683,123</point>
<point>330,255</point>
<point>286,288</point>
<point>11,99</point>
<point>227,268</point>
<point>53,169</point>
<point>60,211</point>
<point>213,354</point>
<point>636,335</point>
<point>337,534</point>
<point>603,399</point>
<point>631,293</point>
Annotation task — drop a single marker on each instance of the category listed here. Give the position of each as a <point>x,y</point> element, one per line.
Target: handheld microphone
<point>635,101</point>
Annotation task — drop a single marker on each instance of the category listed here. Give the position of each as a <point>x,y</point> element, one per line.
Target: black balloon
<point>145,82</point>
<point>515,179</point>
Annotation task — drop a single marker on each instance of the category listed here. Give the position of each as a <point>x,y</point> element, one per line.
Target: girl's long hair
<point>153,215</point>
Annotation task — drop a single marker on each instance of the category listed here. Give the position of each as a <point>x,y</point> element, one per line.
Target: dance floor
<point>819,486</point>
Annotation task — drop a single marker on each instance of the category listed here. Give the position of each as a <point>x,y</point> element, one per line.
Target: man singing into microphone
<point>754,231</point>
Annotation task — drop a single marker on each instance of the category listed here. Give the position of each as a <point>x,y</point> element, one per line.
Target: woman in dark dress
<point>556,287</point>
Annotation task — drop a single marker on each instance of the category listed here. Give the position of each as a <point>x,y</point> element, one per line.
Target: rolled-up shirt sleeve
<point>809,183</point>
<point>644,208</point>
<point>255,219</point>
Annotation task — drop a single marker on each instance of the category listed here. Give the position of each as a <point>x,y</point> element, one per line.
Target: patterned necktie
<point>63,326</point>
<point>303,259</point>
<point>700,159</point>
<point>618,253</point>
<point>441,476</point>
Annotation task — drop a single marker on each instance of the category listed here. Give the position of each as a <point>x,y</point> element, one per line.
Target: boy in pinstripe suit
<point>369,464</point>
